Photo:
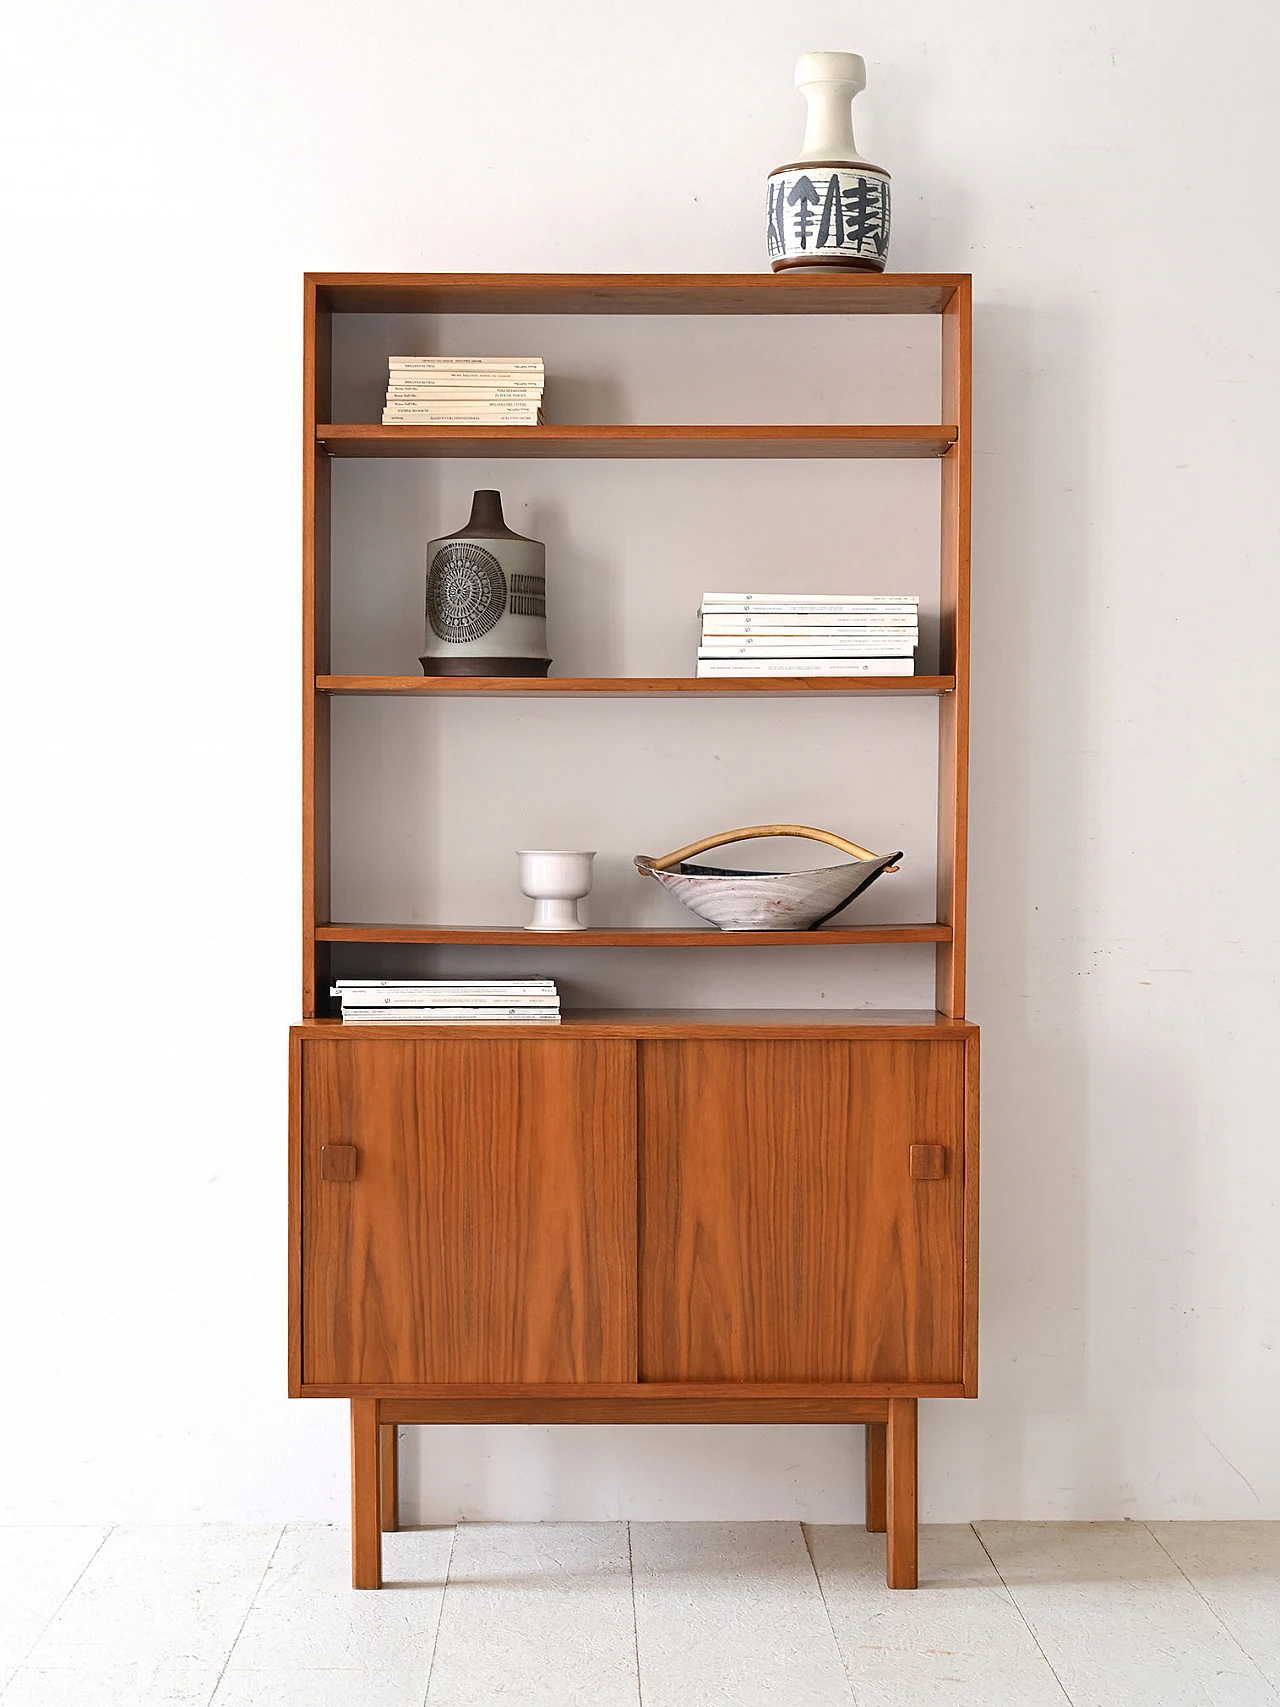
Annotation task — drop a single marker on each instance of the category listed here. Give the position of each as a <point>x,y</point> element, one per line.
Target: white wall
<point>1105,172</point>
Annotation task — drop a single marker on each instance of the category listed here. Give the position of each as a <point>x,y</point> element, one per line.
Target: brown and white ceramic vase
<point>829,207</point>
<point>486,599</point>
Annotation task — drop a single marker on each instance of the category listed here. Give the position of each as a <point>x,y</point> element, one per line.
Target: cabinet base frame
<point>890,1454</point>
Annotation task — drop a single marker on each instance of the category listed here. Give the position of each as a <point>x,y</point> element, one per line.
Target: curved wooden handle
<point>754,830</point>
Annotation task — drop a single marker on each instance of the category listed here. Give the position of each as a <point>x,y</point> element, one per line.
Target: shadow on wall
<point>646,1472</point>
<point>1070,1233</point>
<point>1030,690</point>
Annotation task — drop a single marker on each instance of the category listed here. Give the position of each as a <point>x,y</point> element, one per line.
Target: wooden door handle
<point>928,1161</point>
<point>338,1162</point>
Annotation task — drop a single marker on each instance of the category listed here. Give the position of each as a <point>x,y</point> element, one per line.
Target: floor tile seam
<point>635,1615</point>
<point>435,1635</point>
<point>1030,1628</point>
<point>46,1626</point>
<point>835,1635</point>
<point>253,1601</point>
<point>1212,1610</point>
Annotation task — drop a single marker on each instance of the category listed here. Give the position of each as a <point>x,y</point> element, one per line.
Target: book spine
<point>808,667</point>
<point>442,364</point>
<point>449,1016</point>
<point>724,630</point>
<point>416,418</point>
<point>477,394</point>
<point>802,601</point>
<point>808,618</point>
<point>433,986</point>
<point>461,379</point>
<point>463,401</point>
<point>827,649</point>
<point>906,617</point>
<point>417,994</point>
<point>374,999</point>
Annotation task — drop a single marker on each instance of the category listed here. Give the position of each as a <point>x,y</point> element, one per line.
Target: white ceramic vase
<point>829,207</point>
<point>555,881</point>
<point>486,599</point>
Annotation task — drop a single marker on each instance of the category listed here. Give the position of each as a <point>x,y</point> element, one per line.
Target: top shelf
<point>794,291</point>
<point>592,442</point>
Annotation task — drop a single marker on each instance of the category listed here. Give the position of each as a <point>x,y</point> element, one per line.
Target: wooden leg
<point>901,1482</point>
<point>876,1477</point>
<point>390,1477</point>
<point>366,1535</point>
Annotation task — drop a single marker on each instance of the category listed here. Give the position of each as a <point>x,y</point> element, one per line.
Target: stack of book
<point>798,634</point>
<point>448,1001</point>
<point>464,391</point>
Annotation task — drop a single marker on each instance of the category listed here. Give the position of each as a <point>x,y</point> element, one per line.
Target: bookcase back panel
<point>631,548</point>
<point>673,368</point>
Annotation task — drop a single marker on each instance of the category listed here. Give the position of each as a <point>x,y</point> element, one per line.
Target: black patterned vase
<point>829,207</point>
<point>486,599</point>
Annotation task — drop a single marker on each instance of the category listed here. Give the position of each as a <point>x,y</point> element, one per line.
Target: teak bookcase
<point>698,1216</point>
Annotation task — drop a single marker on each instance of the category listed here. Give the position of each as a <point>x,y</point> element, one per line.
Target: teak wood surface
<point>656,687</point>
<point>782,1235</point>
<point>488,1233</point>
<point>587,442</point>
<point>633,936</point>
<point>698,1213</point>
<point>945,296</point>
<point>530,1224</point>
<point>953,611</point>
<point>825,292</point>
<point>916,1025</point>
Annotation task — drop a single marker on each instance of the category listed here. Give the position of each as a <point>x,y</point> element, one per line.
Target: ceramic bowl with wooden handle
<point>766,900</point>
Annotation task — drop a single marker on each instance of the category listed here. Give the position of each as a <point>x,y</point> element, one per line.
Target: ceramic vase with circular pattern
<point>829,207</point>
<point>486,599</point>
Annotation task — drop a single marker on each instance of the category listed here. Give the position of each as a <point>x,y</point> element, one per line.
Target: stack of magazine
<point>448,1001</point>
<point>808,634</point>
<point>464,391</point>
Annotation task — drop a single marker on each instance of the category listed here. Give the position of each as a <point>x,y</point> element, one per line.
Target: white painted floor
<point>643,1615</point>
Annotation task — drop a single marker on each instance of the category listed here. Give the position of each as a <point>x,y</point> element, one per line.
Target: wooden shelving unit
<point>636,937</point>
<point>945,296</point>
<point>589,442</point>
<point>687,1215</point>
<point>660,687</point>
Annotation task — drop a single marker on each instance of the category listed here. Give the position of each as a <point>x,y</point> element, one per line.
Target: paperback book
<point>463,391</point>
<point>806,667</point>
<point>803,634</point>
<point>444,1001</point>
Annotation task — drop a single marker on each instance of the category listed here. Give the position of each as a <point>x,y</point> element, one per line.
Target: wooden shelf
<point>790,292</point>
<point>660,687</point>
<point>581,441</point>
<point>884,1023</point>
<point>633,936</point>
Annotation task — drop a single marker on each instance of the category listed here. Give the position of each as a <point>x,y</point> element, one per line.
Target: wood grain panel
<point>579,440</point>
<point>901,1491</point>
<point>582,1408</point>
<point>972,1058</point>
<point>551,1392</point>
<point>644,936</point>
<point>616,687</point>
<point>782,1236</point>
<point>366,1526</point>
<point>295,1215</point>
<point>317,501</point>
<point>490,1232</point>
<point>831,291</point>
<point>874,1452</point>
<point>389,1476</point>
<point>786,1024</point>
<point>953,709</point>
